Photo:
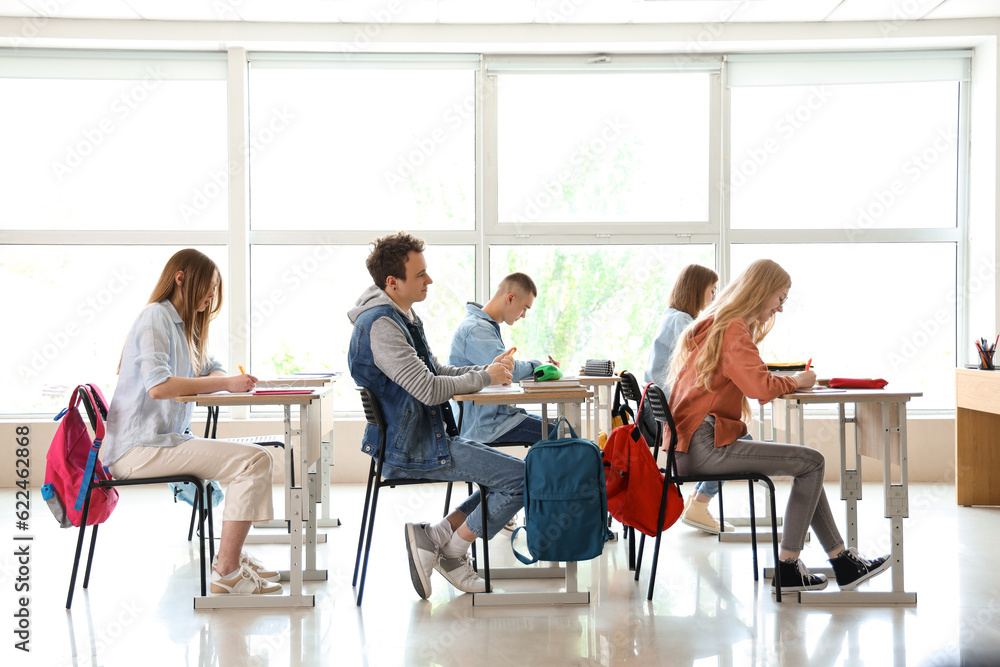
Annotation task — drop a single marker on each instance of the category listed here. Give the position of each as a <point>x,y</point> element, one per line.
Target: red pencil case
<point>857,383</point>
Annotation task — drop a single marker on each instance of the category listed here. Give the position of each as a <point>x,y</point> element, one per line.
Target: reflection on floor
<point>707,609</point>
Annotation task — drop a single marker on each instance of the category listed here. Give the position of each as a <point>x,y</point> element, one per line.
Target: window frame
<point>488,231</point>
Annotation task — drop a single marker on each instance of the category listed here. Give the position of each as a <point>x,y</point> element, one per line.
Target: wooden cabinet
<point>977,437</point>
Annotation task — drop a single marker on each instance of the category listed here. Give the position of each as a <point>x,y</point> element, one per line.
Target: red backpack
<point>72,461</point>
<point>634,482</point>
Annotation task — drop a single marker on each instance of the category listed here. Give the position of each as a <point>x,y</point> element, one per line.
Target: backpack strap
<point>554,430</point>
<point>620,408</point>
<point>524,559</point>
<point>85,393</point>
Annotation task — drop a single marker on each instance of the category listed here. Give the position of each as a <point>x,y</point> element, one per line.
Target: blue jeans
<point>475,462</point>
<point>529,430</point>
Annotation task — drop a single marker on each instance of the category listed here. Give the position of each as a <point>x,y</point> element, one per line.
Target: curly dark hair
<point>389,255</point>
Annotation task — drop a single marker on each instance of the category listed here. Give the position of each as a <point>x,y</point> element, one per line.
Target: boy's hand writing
<point>499,373</point>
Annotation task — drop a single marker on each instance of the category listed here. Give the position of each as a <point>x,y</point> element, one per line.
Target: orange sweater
<point>741,372</point>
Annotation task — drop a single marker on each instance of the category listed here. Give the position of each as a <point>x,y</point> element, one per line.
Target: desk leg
<point>310,442</point>
<point>325,461</point>
<point>572,413</point>
<point>850,479</point>
<point>896,495</point>
<point>293,575</point>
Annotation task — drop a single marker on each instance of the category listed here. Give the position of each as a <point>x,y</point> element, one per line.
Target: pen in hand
<point>242,372</point>
<point>809,363</point>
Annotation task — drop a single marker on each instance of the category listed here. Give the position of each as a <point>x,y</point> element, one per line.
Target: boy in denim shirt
<point>477,341</point>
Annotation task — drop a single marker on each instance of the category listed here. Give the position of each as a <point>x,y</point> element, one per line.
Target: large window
<point>336,148</point>
<point>599,177</point>
<point>851,157</point>
<point>112,144</point>
<point>594,302</point>
<point>603,148</point>
<point>850,173</point>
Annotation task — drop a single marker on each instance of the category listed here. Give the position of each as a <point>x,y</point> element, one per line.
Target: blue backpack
<point>565,500</point>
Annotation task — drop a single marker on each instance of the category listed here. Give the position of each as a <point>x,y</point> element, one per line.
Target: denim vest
<point>416,434</point>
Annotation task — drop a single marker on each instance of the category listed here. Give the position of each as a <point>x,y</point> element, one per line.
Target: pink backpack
<point>72,461</point>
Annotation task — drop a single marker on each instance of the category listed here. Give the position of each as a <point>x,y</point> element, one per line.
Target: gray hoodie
<point>394,356</point>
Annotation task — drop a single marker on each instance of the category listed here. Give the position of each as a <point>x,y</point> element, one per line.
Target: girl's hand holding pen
<point>242,383</point>
<point>805,379</point>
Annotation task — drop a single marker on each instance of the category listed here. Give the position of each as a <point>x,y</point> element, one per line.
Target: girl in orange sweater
<point>715,368</point>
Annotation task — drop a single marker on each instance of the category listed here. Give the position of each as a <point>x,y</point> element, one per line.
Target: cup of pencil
<point>986,353</point>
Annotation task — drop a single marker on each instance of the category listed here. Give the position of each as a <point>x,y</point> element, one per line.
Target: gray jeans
<point>807,504</point>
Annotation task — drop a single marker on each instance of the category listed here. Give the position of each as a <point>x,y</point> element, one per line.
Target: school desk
<point>322,382</point>
<point>977,437</point>
<point>568,402</point>
<point>879,432</point>
<point>301,507</point>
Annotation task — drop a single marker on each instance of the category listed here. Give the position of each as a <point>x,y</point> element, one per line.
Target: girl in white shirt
<point>166,356</point>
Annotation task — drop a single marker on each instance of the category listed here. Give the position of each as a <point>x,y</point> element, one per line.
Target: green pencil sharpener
<point>547,372</point>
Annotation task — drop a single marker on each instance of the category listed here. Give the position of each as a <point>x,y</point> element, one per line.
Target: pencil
<point>809,363</point>
<point>242,372</point>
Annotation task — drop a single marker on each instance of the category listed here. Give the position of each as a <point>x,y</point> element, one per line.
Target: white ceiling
<point>506,11</point>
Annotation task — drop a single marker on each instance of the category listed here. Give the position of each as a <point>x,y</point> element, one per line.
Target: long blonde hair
<point>743,297</point>
<point>199,269</point>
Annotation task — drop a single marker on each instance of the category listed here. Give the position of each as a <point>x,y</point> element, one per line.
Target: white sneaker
<point>697,515</point>
<point>246,582</point>
<point>254,564</point>
<point>459,573</point>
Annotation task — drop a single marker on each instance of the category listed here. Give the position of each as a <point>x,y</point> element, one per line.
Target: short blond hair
<point>521,281</point>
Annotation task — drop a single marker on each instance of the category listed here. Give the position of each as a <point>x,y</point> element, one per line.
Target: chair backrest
<point>630,387</point>
<point>373,413</point>
<point>643,417</point>
<point>656,400</point>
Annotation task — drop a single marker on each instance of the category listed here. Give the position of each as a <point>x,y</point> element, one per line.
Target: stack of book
<point>551,385</point>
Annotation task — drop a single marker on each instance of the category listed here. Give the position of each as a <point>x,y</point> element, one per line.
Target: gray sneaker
<point>423,554</point>
<point>459,573</point>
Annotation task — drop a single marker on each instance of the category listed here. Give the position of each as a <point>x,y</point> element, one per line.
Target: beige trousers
<point>245,467</point>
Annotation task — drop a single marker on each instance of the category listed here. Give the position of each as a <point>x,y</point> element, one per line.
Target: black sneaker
<point>795,577</point>
<point>853,569</point>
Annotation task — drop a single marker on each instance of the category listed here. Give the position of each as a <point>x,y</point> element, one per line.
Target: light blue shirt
<point>658,364</point>
<point>155,350</point>
<point>477,342</point>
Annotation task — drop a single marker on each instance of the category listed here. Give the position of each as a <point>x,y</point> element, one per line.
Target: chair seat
<point>263,440</point>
